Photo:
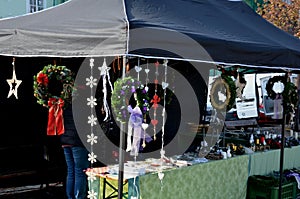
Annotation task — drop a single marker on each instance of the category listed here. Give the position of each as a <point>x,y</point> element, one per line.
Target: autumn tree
<point>282,13</point>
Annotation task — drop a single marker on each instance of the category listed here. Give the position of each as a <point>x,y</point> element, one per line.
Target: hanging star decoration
<point>13,83</point>
<point>104,73</point>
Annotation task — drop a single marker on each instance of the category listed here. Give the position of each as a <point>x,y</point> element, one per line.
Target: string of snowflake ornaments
<point>91,102</point>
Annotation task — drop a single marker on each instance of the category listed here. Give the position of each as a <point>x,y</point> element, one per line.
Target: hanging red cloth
<point>55,117</point>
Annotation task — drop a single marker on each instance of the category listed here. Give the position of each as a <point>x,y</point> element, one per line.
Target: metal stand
<point>121,151</point>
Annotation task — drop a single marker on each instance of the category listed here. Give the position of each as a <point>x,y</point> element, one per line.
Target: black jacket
<point>70,136</point>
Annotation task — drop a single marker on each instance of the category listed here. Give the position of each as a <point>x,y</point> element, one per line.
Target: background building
<point>10,8</point>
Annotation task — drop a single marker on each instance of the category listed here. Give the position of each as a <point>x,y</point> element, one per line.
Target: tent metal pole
<point>121,151</point>
<point>282,155</point>
<point>121,163</point>
<point>282,149</point>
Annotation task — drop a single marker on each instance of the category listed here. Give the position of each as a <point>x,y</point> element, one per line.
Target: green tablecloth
<point>211,180</point>
<point>263,163</point>
<point>215,179</point>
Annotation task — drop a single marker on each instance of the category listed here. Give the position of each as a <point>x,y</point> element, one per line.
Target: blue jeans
<point>77,162</point>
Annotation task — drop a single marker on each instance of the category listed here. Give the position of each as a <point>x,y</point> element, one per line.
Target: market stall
<point>130,35</point>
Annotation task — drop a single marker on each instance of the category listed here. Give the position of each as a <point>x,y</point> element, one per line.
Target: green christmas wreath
<point>225,85</point>
<point>123,90</point>
<point>289,94</point>
<point>53,82</point>
<point>269,86</point>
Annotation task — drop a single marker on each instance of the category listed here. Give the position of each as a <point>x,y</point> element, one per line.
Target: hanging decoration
<point>162,150</point>
<point>289,94</point>
<point>146,104</point>
<point>13,83</point>
<point>55,77</point>
<point>270,84</point>
<point>92,138</point>
<point>223,93</point>
<point>104,74</point>
<point>135,125</point>
<point>164,85</point>
<point>240,84</point>
<point>137,120</point>
<point>123,88</point>
<point>138,69</point>
<point>52,78</point>
<point>155,100</point>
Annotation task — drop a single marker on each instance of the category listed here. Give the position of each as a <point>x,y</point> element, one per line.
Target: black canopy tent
<point>230,32</point>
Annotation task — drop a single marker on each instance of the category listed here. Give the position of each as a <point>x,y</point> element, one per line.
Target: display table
<point>107,187</point>
<point>263,163</point>
<point>214,179</point>
<point>211,180</point>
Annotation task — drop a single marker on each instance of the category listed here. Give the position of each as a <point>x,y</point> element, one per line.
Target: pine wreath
<point>225,85</point>
<point>289,94</point>
<point>53,82</point>
<point>123,90</point>
<point>269,86</point>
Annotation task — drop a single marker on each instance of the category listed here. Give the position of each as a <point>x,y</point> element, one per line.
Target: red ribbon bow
<point>55,117</point>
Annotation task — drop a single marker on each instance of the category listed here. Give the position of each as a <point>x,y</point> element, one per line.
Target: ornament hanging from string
<point>155,100</point>
<point>91,102</point>
<point>164,86</point>
<point>138,69</point>
<point>91,138</point>
<point>145,105</point>
<point>104,74</point>
<point>240,84</point>
<point>13,83</point>
<point>162,151</point>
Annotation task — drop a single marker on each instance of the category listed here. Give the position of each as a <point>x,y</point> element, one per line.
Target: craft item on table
<point>13,83</point>
<point>203,148</point>
<point>214,156</point>
<point>104,74</point>
<point>224,154</point>
<point>228,153</point>
<point>251,139</point>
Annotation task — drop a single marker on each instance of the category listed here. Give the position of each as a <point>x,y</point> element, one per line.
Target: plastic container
<point>265,187</point>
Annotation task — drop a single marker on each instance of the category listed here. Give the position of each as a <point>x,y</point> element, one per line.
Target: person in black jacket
<point>76,156</point>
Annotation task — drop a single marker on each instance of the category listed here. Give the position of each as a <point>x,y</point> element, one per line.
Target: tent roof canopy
<point>224,32</point>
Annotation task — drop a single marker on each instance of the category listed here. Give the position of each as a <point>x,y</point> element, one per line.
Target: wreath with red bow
<point>53,88</point>
<point>53,82</point>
